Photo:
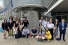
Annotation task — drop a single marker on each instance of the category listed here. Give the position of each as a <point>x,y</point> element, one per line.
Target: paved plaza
<point>30,41</point>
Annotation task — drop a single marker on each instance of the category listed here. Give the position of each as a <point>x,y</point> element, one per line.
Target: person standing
<point>22,18</point>
<point>46,19</point>
<point>14,19</point>
<point>9,19</point>
<point>52,20</point>
<point>40,21</point>
<point>56,24</point>
<point>5,27</point>
<point>10,25</point>
<point>62,28</point>
<point>25,22</point>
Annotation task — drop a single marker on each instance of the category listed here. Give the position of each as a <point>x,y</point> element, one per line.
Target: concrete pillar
<point>32,17</point>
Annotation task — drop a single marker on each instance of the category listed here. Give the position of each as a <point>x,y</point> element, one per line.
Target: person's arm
<point>2,25</point>
<point>23,32</point>
<point>36,32</point>
<point>59,25</point>
<point>27,22</point>
<point>8,26</point>
<point>28,31</point>
<point>31,31</point>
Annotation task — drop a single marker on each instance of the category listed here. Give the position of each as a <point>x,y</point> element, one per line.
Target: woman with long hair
<point>5,26</point>
<point>56,28</point>
<point>40,35</point>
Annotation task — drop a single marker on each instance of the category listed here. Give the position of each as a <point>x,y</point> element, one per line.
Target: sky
<point>1,3</point>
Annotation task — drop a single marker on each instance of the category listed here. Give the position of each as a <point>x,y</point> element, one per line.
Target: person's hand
<point>53,31</point>
<point>62,28</point>
<point>8,27</point>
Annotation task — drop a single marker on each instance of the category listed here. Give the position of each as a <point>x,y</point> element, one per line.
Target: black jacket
<point>4,26</point>
<point>10,25</point>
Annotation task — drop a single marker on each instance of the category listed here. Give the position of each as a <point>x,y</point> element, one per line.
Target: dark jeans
<point>51,31</point>
<point>62,32</point>
<point>27,35</point>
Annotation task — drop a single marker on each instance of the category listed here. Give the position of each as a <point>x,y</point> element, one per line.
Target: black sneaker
<point>64,40</point>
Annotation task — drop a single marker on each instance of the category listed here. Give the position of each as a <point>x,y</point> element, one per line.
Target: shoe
<point>9,37</point>
<point>48,40</point>
<point>64,40</point>
<point>39,41</point>
<point>54,38</point>
<point>4,37</point>
<point>32,37</point>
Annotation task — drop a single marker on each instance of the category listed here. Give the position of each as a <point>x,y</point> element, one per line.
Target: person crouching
<point>40,35</point>
<point>47,35</point>
<point>33,32</point>
<point>25,32</point>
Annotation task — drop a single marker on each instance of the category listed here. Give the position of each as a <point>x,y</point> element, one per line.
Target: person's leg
<point>55,33</point>
<point>4,34</point>
<point>39,38</point>
<point>64,36</point>
<point>9,33</point>
<point>23,35</point>
<point>51,31</point>
<point>27,35</point>
<point>31,34</point>
<point>60,34</point>
<point>46,37</point>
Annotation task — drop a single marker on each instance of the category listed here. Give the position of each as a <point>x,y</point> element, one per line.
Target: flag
<point>11,3</point>
<point>7,7</point>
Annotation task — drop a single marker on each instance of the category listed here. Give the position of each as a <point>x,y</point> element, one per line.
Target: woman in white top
<point>50,26</point>
<point>41,19</point>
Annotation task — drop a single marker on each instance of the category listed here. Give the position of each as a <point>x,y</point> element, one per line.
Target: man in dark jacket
<point>62,28</point>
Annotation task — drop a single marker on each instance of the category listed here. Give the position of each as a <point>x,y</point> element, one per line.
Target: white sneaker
<point>9,37</point>
<point>54,38</point>
<point>32,37</point>
<point>48,40</point>
<point>14,36</point>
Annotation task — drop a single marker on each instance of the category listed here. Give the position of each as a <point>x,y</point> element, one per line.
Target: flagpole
<point>10,8</point>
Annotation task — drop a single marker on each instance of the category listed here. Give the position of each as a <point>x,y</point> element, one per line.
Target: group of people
<point>48,29</point>
<point>15,27</point>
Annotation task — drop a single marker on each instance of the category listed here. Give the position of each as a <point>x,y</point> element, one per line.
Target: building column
<point>32,17</point>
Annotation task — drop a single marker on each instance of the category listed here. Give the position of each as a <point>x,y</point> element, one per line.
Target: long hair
<point>5,20</point>
<point>40,31</point>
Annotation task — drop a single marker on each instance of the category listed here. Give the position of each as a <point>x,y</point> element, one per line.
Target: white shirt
<point>25,31</point>
<point>40,21</point>
<point>22,19</point>
<point>50,26</point>
<point>44,23</point>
